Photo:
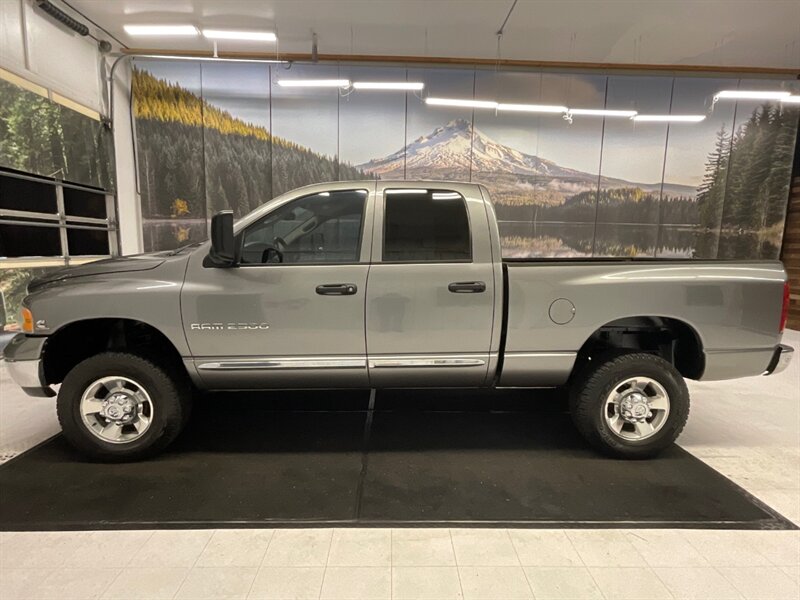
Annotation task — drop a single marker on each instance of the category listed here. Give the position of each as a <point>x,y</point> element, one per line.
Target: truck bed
<point>554,306</point>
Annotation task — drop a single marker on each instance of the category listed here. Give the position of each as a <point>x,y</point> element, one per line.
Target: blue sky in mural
<point>689,145</point>
<point>306,116</point>
<point>372,123</point>
<point>242,89</point>
<point>184,73</point>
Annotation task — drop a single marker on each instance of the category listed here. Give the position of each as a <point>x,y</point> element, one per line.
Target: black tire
<point>599,377</point>
<point>170,397</point>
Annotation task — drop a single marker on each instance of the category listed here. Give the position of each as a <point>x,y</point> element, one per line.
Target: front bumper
<point>781,358</point>
<point>23,359</point>
<point>27,374</point>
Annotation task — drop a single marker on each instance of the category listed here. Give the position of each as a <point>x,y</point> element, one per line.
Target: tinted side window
<point>321,228</point>
<point>425,227</point>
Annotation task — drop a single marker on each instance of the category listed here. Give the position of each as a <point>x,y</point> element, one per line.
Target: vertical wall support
<point>790,250</point>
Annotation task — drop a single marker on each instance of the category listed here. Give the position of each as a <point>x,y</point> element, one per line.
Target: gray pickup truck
<point>388,284</point>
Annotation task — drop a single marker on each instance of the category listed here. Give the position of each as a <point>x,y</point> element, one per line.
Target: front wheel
<point>631,405</point>
<point>119,407</point>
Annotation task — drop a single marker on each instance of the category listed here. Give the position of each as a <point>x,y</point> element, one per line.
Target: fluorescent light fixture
<point>602,112</point>
<point>461,103</point>
<point>232,34</point>
<point>791,99</point>
<point>445,196</point>
<point>670,118</point>
<point>165,30</point>
<point>406,191</point>
<point>337,83</point>
<point>388,85</point>
<point>751,95</point>
<point>540,108</point>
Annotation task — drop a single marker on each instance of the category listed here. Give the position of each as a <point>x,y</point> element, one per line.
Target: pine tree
<point>711,193</point>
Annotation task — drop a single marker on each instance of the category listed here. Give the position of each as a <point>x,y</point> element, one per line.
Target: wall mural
<point>219,135</point>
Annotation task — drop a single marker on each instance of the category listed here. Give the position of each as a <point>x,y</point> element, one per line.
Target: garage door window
<point>425,226</point>
<point>48,222</point>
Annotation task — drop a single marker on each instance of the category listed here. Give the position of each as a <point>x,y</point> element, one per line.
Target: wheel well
<point>671,339</point>
<point>78,341</point>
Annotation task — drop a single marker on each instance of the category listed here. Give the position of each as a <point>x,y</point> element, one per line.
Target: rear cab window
<point>422,225</point>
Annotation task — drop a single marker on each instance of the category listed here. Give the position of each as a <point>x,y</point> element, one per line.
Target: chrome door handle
<point>337,289</point>
<point>467,287</point>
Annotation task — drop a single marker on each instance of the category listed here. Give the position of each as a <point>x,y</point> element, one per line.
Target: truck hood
<point>138,262</point>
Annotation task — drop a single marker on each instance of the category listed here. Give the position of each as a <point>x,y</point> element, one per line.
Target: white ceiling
<point>749,33</point>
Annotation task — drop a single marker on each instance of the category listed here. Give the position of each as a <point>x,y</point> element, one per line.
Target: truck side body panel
<point>733,307</point>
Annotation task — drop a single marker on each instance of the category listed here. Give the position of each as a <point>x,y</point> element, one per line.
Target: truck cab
<point>351,285</point>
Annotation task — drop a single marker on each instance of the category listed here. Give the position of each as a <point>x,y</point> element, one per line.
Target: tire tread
<point>174,400</point>
<point>590,385</point>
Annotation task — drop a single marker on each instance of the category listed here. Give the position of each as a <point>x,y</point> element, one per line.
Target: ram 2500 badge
<point>388,284</point>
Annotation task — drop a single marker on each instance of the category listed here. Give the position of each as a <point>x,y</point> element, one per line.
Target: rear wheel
<point>117,407</point>
<point>631,405</point>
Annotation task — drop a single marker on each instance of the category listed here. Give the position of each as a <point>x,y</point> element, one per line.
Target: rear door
<point>431,287</point>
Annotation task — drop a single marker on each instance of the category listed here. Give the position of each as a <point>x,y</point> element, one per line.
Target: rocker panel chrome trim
<point>398,362</point>
<point>316,362</point>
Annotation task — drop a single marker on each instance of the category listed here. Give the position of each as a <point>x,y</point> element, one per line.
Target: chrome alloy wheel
<point>637,408</point>
<point>116,409</point>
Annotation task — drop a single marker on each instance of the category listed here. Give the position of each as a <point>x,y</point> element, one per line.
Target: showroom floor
<point>748,430</point>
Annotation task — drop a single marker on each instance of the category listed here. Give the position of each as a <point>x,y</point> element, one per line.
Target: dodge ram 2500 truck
<point>387,284</point>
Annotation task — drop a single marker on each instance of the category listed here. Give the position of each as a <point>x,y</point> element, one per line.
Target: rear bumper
<point>781,358</point>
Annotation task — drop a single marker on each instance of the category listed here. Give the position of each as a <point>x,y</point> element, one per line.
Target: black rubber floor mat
<point>420,458</point>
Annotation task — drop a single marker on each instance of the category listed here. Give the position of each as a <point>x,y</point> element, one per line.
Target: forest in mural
<point>41,137</point>
<point>589,188</point>
<point>196,159</point>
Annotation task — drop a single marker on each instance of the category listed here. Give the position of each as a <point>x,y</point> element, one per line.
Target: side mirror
<point>223,251</point>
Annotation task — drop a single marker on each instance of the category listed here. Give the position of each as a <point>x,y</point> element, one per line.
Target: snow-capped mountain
<point>446,153</point>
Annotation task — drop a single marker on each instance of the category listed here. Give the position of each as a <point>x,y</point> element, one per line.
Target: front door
<point>431,288</point>
<point>291,314</point>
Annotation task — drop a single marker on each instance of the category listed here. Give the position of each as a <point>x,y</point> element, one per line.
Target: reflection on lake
<point>168,234</point>
<point>521,239</point>
<point>574,240</point>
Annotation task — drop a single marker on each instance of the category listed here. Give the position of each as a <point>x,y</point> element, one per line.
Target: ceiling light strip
<point>163,30</point>
<point>233,34</point>
<point>388,85</point>
<point>538,108</point>
<point>461,103</point>
<point>326,83</point>
<point>669,118</point>
<point>751,95</point>
<point>602,112</point>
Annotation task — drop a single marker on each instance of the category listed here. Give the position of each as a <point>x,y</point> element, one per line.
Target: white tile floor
<point>748,429</point>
